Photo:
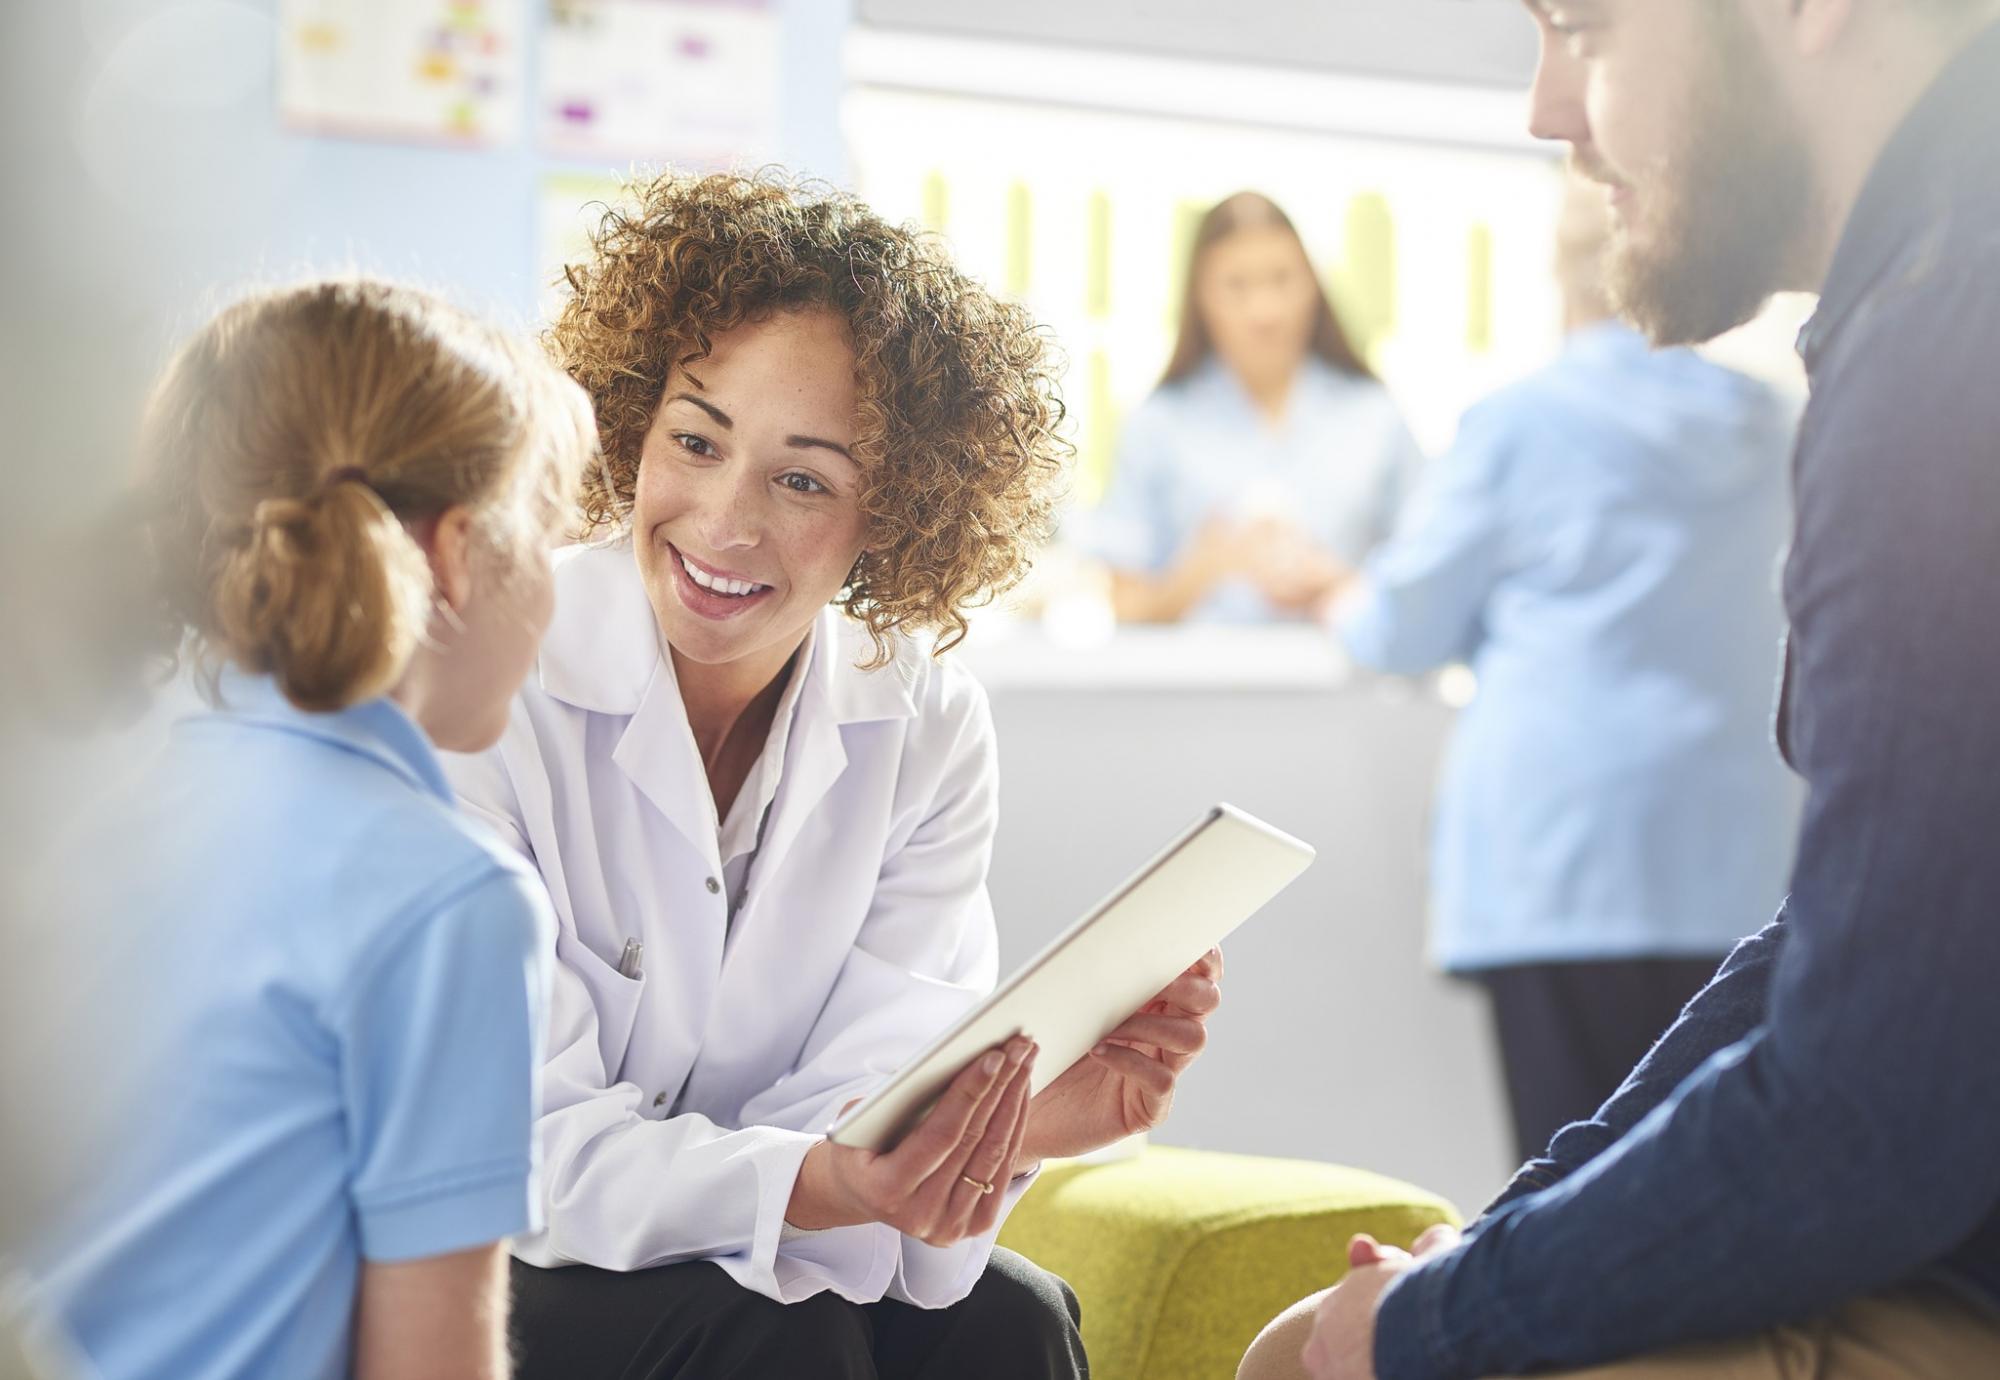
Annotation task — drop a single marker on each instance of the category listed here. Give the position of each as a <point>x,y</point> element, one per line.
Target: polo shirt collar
<point>377,729</point>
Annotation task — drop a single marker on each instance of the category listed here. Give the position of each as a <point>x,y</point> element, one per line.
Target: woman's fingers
<point>1195,995</point>
<point>959,1119</point>
<point>1151,1075</point>
<point>1174,1034</point>
<point>977,1177</point>
<point>1209,965</point>
<point>989,1157</point>
<point>986,1215</point>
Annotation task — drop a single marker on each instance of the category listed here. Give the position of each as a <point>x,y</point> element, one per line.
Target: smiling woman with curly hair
<point>955,403</point>
<point>764,803</point>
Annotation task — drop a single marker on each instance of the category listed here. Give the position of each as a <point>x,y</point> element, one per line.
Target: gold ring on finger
<point>984,1188</point>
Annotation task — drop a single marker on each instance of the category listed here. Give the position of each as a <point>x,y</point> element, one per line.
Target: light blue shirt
<point>1339,466</point>
<point>336,1053</point>
<point>1602,546</point>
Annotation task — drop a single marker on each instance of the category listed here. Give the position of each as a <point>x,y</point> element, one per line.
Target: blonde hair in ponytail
<point>299,438</point>
<point>329,594</point>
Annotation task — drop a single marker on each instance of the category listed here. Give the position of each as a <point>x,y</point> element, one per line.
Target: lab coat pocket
<point>614,997</point>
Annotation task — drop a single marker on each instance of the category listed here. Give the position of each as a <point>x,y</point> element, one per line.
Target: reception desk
<point>1336,1041</point>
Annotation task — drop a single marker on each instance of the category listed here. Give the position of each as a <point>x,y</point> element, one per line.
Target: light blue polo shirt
<point>1338,466</point>
<point>334,1048</point>
<point>1602,546</point>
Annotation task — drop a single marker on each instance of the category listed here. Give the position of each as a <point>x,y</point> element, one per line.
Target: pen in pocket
<point>628,962</point>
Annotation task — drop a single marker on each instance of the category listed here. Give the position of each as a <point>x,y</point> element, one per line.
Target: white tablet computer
<point>1118,957</point>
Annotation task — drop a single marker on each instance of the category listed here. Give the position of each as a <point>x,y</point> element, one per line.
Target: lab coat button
<point>714,887</point>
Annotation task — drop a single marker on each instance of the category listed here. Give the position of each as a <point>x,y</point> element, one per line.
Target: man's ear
<point>450,552</point>
<point>1817,25</point>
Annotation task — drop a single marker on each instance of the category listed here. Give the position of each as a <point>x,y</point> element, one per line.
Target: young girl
<point>353,489</point>
<point>765,811</point>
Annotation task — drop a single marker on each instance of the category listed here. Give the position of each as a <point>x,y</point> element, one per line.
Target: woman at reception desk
<point>1268,460</point>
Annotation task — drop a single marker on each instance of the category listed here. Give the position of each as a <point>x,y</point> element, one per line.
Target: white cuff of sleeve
<point>939,1276</point>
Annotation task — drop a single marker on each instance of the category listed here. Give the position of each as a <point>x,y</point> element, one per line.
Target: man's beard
<point>1728,209</point>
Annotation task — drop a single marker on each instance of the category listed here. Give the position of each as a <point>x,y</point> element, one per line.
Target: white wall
<point>1489,42</point>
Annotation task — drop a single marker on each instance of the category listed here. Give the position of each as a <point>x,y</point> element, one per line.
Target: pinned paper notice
<point>690,80</point>
<point>431,70</point>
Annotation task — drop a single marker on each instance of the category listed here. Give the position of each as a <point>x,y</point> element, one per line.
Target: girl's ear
<point>448,543</point>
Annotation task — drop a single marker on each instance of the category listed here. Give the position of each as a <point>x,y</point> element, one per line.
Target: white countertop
<point>1008,654</point>
<point>1011,655</point>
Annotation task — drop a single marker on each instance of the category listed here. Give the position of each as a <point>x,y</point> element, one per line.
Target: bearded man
<point>1802,1180</point>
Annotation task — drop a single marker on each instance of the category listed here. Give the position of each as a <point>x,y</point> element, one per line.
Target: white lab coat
<point>677,1107</point>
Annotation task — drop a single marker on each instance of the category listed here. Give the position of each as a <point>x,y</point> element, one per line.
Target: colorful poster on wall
<point>694,81</point>
<point>449,71</point>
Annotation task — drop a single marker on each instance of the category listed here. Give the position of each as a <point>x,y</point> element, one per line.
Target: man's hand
<point>1126,1085</point>
<point>1342,1346</point>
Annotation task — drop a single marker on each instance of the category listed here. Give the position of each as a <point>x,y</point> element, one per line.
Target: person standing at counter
<point>765,812</point>
<point>1601,545</point>
<point>1268,460</point>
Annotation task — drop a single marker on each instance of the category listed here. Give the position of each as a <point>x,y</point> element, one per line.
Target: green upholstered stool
<point>1181,1256</point>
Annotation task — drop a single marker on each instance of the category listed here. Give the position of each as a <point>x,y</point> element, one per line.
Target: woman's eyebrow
<point>722,419</point>
<point>727,423</point>
<point>805,442</point>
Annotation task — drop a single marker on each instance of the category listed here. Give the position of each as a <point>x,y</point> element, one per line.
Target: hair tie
<point>347,474</point>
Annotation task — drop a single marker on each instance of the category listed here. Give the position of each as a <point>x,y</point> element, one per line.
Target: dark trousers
<point>693,1322</point>
<point>1570,1032</point>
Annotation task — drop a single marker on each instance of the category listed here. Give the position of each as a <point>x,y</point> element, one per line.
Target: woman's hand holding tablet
<point>938,1184</point>
<point>1126,1085</point>
<point>1118,1003</point>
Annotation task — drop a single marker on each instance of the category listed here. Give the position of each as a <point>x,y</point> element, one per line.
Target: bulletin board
<point>694,81</point>
<point>430,71</point>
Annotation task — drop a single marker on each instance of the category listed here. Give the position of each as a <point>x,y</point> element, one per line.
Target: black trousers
<point>693,1322</point>
<point>1570,1032</point>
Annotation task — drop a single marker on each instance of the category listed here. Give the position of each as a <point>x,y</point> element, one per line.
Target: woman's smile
<point>710,591</point>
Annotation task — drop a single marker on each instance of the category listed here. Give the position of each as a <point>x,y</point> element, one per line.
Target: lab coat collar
<point>850,694</point>
<point>602,652</point>
<point>377,729</point>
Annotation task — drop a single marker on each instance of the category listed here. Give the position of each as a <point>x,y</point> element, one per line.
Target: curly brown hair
<point>958,415</point>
